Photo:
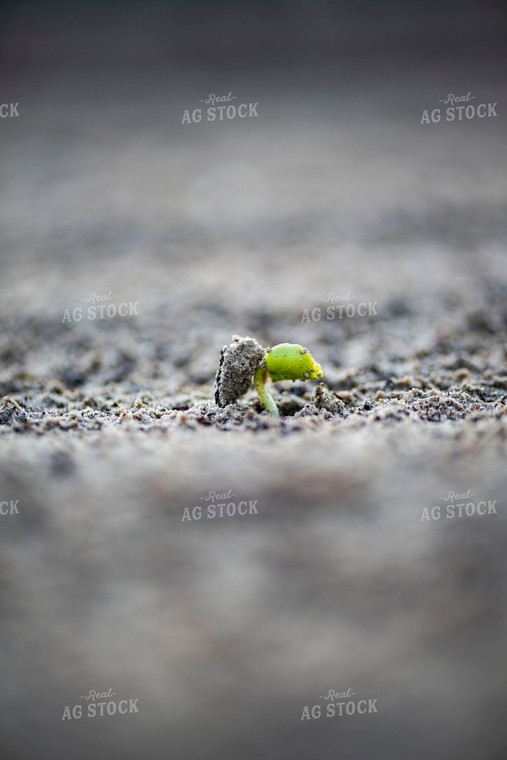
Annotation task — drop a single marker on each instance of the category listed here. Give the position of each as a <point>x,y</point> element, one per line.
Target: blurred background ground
<point>226,629</point>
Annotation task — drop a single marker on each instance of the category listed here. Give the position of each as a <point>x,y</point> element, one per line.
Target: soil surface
<point>225,628</point>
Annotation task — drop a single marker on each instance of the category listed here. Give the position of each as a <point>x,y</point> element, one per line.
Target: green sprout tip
<point>286,361</point>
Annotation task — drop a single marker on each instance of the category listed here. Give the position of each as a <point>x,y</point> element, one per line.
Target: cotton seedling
<point>245,358</point>
<point>286,361</point>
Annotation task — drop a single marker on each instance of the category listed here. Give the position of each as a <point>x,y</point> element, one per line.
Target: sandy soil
<point>224,629</point>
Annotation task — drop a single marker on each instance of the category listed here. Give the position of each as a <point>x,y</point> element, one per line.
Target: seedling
<point>287,361</point>
<point>245,357</point>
